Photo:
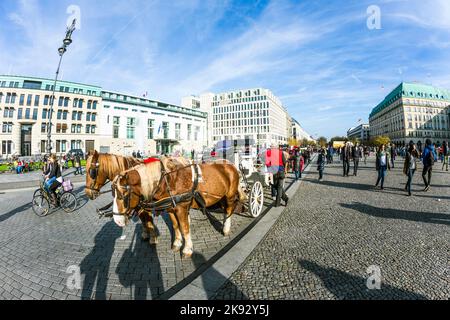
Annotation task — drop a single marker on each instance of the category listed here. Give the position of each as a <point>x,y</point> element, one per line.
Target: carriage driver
<point>276,164</point>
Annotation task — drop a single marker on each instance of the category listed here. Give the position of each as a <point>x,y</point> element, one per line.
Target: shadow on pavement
<point>15,211</point>
<point>356,186</point>
<point>95,266</point>
<point>346,286</point>
<point>213,279</point>
<point>426,217</point>
<point>139,269</point>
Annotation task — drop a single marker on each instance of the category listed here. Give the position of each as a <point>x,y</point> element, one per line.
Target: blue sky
<point>319,57</point>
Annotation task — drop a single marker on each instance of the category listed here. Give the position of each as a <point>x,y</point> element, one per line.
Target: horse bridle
<point>125,197</point>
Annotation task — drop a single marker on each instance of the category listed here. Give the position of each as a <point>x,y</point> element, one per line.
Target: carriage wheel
<point>256,199</point>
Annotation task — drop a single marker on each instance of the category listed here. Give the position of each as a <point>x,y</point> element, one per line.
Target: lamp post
<point>66,42</point>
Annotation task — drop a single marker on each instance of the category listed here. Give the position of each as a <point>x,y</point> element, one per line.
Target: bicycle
<point>42,203</point>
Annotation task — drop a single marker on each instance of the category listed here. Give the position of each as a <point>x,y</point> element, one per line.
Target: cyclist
<point>53,178</point>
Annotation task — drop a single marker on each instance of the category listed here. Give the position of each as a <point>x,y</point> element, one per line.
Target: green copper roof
<point>412,90</point>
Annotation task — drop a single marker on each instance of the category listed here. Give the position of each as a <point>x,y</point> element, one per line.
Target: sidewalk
<point>32,179</point>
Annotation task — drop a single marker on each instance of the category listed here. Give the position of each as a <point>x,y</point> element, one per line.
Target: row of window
<point>61,145</point>
<point>60,115</point>
<point>241,115</point>
<point>10,98</point>
<point>241,107</point>
<point>48,87</point>
<point>239,123</point>
<point>7,147</point>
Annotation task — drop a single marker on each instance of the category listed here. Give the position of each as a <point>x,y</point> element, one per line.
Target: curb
<point>205,285</point>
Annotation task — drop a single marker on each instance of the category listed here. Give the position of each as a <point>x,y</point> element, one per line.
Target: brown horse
<point>102,168</point>
<point>152,182</point>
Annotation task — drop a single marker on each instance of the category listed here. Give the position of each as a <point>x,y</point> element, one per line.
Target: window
<point>177,131</point>
<point>80,114</point>
<point>36,101</point>
<point>21,100</point>
<point>59,115</point>
<point>131,123</point>
<point>115,132</point>
<point>74,115</point>
<point>7,127</point>
<point>75,103</point>
<point>13,98</point>
<point>58,128</point>
<point>46,100</point>
<point>88,128</point>
<point>150,129</point>
<point>66,102</point>
<point>88,116</point>
<point>94,105</point>
<point>65,115</point>
<point>60,101</point>
<point>189,133</point>
<point>19,113</point>
<point>79,127</point>
<point>93,129</point>
<point>35,114</point>
<point>43,128</point>
<point>29,100</point>
<point>44,113</point>
<point>94,117</point>
<point>89,104</point>
<point>80,104</point>
<point>165,127</point>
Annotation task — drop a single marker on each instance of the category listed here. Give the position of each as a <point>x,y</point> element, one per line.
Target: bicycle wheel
<point>38,192</point>
<point>41,206</point>
<point>68,202</point>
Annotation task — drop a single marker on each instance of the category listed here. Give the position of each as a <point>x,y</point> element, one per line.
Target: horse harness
<point>166,203</point>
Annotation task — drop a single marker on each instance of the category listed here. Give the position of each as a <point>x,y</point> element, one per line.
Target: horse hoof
<point>176,248</point>
<point>187,255</point>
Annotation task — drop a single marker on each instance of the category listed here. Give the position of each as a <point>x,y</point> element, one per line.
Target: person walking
<point>276,162</point>
<point>429,156</point>
<point>77,161</point>
<point>445,154</point>
<point>321,162</point>
<point>410,165</point>
<point>356,155</point>
<point>299,163</point>
<point>346,156</point>
<point>366,154</point>
<point>382,164</point>
<point>393,154</point>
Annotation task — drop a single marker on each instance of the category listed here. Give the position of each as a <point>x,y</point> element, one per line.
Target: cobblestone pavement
<point>114,263</point>
<point>333,231</point>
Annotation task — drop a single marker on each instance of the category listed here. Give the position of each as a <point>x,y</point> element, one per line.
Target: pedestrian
<point>53,178</point>
<point>346,156</point>
<point>445,154</point>
<point>321,162</point>
<point>382,164</point>
<point>366,154</point>
<point>410,165</point>
<point>192,154</point>
<point>299,163</point>
<point>393,154</point>
<point>356,155</point>
<point>276,163</point>
<point>429,156</point>
<point>78,169</point>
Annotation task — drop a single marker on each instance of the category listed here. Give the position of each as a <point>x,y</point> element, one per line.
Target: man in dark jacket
<point>276,161</point>
<point>346,156</point>
<point>445,154</point>
<point>356,155</point>
<point>429,156</point>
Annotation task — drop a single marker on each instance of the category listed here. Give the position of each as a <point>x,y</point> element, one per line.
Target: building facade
<point>254,114</point>
<point>297,131</point>
<point>86,117</point>
<point>361,132</point>
<point>413,112</point>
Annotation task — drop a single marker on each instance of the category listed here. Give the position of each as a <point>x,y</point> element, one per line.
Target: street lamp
<point>66,42</point>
